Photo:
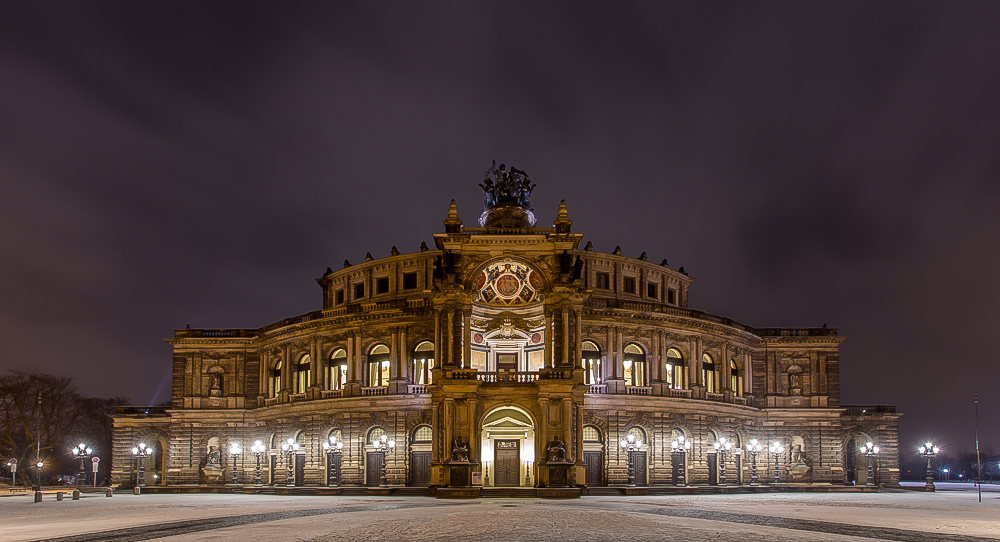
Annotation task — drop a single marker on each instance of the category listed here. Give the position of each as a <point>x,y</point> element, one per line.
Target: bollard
<point>38,496</point>
<point>59,495</point>
<point>137,490</point>
<point>108,492</point>
<point>76,494</point>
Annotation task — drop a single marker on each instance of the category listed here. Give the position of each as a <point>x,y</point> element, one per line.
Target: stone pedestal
<point>459,474</point>
<point>558,473</point>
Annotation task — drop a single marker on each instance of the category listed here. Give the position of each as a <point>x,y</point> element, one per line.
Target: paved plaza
<point>951,514</point>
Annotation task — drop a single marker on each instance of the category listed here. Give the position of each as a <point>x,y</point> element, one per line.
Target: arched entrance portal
<point>508,448</point>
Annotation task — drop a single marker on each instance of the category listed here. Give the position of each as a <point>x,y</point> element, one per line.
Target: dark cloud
<point>202,163</point>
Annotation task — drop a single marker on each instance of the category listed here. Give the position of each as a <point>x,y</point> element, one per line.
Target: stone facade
<point>515,340</point>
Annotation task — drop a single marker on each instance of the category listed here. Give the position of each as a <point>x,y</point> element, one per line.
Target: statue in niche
<point>214,458</point>
<point>799,457</point>
<point>557,450</point>
<point>460,451</point>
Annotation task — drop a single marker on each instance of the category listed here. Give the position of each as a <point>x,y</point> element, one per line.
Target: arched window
<point>591,363</point>
<point>423,434</point>
<point>374,434</point>
<point>638,433</point>
<point>336,371</point>
<point>634,365</point>
<point>303,374</point>
<point>274,380</point>
<point>423,362</point>
<point>736,383</point>
<point>378,366</point>
<point>676,374</point>
<point>708,374</point>
<point>591,434</point>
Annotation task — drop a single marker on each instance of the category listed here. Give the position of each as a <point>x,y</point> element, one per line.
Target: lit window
<point>336,376</point>
<point>378,366</point>
<point>591,363</point>
<point>423,363</point>
<point>676,374</point>
<point>591,434</point>
<point>708,373</point>
<point>634,365</point>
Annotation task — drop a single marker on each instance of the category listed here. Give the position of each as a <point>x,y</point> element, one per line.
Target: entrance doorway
<point>508,463</point>
<point>373,468</point>
<point>421,469</point>
<point>594,463</point>
<point>508,447</point>
<point>506,363</point>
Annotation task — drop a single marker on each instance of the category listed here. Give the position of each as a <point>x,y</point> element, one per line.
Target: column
<point>568,426</point>
<point>608,363</point>
<point>467,336</point>
<point>286,368</point>
<point>694,368</point>
<point>747,374</point>
<point>451,339</point>
<point>438,351</point>
<point>619,354</point>
<point>265,362</point>
<point>542,434</point>
<point>564,317</point>
<point>727,369</point>
<point>319,376</point>
<point>394,355</point>
<point>578,446</point>
<point>578,338</point>
<point>657,356</point>
<point>474,435</point>
<point>548,339</point>
<point>436,432</point>
<point>405,366</point>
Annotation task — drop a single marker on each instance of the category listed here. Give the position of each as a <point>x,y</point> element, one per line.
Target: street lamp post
<point>382,445</point>
<point>140,453</point>
<point>333,449</point>
<point>235,451</point>
<point>722,447</point>
<point>776,449</point>
<point>753,448</point>
<point>257,449</point>
<point>290,447</point>
<point>682,446</point>
<point>929,451</point>
<point>630,444</point>
<point>82,452</point>
<point>871,452</point>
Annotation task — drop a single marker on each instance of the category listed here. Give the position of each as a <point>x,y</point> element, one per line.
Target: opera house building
<point>505,357</point>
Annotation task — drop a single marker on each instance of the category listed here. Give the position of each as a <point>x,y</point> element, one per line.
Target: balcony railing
<point>416,389</point>
<point>330,394</point>
<point>377,390</point>
<point>505,377</point>
<point>715,397</point>
<point>639,390</point>
<point>673,392</point>
<point>598,388</point>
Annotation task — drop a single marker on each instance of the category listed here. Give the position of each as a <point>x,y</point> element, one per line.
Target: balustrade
<point>639,390</point>
<point>379,390</point>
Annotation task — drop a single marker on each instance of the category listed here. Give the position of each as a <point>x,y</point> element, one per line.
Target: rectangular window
<point>382,285</point>
<point>409,281</point>
<point>651,290</point>
<point>603,281</point>
<point>336,377</point>
<point>340,297</point>
<point>378,373</point>
<point>629,285</point>
<point>359,291</point>
<point>671,296</point>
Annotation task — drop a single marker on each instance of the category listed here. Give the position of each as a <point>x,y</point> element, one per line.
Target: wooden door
<point>593,463</point>
<point>738,464</point>
<point>421,469</point>
<point>506,363</point>
<point>273,471</point>
<point>677,466</point>
<point>300,469</point>
<point>373,468</point>
<point>507,470</point>
<point>639,464</point>
<point>333,469</point>
<point>713,469</point>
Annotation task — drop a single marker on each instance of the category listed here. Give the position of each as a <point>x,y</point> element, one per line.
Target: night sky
<point>167,163</point>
